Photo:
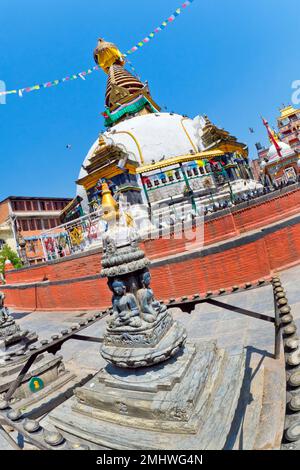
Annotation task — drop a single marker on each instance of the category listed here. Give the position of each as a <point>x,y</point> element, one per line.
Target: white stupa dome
<point>286,150</point>
<point>149,138</point>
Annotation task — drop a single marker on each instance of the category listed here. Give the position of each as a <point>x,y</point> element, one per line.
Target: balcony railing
<point>72,237</point>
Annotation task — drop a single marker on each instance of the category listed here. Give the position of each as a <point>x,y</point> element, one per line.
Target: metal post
<point>191,192</point>
<point>231,193</point>
<point>147,197</point>
<point>44,248</point>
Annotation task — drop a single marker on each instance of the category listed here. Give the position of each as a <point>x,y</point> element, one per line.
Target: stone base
<point>187,402</point>
<point>138,347</point>
<point>47,367</point>
<point>16,342</point>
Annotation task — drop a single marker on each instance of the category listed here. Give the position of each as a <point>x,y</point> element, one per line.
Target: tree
<point>7,253</point>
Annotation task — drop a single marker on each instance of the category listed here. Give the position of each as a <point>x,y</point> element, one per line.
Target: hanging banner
<point>21,91</point>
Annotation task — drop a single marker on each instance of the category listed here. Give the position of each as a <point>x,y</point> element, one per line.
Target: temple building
<point>155,157</point>
<point>280,162</point>
<point>289,127</point>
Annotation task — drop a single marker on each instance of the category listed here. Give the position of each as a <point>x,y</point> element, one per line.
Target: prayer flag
<point>170,19</point>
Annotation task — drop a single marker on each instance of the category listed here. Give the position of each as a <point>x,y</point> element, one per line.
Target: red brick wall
<point>174,276</point>
<point>268,212</point>
<point>236,265</point>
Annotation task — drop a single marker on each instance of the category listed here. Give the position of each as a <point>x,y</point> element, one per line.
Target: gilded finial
<point>109,205</point>
<point>107,54</point>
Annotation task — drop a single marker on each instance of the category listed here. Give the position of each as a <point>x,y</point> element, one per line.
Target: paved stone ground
<point>234,331</point>
<point>231,330</point>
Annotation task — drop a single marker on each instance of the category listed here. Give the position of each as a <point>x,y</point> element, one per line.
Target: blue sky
<point>233,60</point>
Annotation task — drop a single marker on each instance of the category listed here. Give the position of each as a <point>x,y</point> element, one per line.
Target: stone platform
<point>186,403</point>
<point>137,348</point>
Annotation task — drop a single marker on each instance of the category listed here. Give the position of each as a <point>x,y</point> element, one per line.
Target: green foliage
<point>7,253</point>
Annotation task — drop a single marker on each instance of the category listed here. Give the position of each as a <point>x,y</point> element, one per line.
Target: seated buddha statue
<point>4,315</point>
<point>149,306</point>
<point>125,308</point>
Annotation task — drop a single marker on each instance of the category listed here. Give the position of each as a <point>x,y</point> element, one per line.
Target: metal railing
<point>72,237</point>
<point>188,305</point>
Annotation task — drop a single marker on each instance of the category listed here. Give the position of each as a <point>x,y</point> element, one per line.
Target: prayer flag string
<point>82,75</point>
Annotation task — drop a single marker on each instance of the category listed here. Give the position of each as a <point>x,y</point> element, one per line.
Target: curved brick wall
<point>241,245</point>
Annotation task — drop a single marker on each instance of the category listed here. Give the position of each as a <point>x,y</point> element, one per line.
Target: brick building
<point>255,167</point>
<point>29,216</point>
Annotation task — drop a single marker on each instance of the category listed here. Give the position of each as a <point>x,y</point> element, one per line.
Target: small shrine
<point>47,373</point>
<point>281,163</point>
<point>150,394</point>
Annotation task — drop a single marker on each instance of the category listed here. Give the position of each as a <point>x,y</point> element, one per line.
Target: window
<point>18,205</point>
<point>24,225</point>
<point>31,224</point>
<point>28,205</point>
<point>38,224</point>
<point>59,205</point>
<point>49,205</point>
<point>46,205</point>
<point>52,223</point>
<point>35,205</point>
<point>46,224</point>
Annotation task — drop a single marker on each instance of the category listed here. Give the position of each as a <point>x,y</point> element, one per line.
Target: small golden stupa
<point>109,205</point>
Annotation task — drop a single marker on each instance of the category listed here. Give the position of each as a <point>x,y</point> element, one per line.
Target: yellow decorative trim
<point>188,136</point>
<point>286,112</point>
<point>234,147</point>
<point>68,206</point>
<point>90,180</point>
<point>136,142</point>
<point>180,159</point>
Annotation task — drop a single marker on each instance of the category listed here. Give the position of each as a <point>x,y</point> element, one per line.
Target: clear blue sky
<point>232,60</point>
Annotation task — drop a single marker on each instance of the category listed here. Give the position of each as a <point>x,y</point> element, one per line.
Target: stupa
<point>151,156</point>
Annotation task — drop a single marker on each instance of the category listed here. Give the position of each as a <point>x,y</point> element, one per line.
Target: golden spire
<point>107,54</point>
<point>109,205</point>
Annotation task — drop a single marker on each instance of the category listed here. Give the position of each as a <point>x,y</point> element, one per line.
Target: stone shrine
<point>156,387</point>
<point>45,376</point>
